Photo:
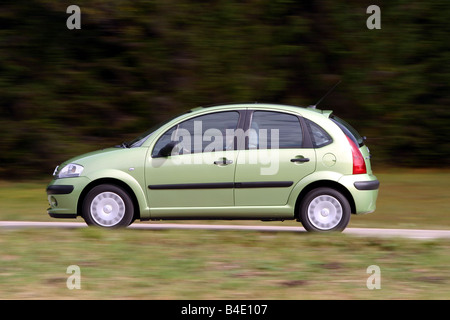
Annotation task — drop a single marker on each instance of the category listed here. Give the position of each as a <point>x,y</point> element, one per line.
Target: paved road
<point>365,232</point>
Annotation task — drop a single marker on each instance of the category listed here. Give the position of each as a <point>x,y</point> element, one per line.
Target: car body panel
<point>125,165</point>
<point>66,203</point>
<point>267,177</point>
<point>190,180</point>
<point>365,200</point>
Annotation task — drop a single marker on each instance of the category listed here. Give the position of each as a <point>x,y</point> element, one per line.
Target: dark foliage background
<point>135,63</point>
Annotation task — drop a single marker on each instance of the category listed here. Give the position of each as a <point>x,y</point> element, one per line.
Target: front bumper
<point>59,189</point>
<point>63,196</point>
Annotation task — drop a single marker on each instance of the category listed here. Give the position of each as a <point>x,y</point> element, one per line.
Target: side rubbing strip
<point>264,184</point>
<point>219,185</point>
<point>222,185</point>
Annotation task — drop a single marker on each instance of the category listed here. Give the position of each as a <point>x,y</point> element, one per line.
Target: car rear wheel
<point>324,209</point>
<point>108,206</point>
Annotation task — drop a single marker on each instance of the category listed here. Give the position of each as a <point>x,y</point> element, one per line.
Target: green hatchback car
<point>240,161</point>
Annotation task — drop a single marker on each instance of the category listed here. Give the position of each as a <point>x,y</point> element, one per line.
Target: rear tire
<point>108,206</point>
<point>324,210</point>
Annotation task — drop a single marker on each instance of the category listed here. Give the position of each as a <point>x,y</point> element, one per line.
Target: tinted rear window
<point>319,137</point>
<point>348,130</point>
<point>266,123</point>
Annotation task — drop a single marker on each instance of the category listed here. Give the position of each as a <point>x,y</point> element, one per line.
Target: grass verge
<point>184,264</point>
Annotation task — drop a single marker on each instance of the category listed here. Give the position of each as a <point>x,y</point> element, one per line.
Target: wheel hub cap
<point>107,209</point>
<point>325,212</point>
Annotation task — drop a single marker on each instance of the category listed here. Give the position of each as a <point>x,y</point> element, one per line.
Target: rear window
<point>348,130</point>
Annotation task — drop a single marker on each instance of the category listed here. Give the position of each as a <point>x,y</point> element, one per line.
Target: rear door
<point>274,160</point>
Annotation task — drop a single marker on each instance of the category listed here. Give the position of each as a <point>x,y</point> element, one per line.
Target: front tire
<point>108,206</point>
<point>324,209</point>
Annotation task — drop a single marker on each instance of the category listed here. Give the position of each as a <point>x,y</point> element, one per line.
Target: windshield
<point>137,142</point>
<point>348,130</point>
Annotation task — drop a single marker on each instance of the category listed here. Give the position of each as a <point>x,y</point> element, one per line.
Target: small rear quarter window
<point>319,136</point>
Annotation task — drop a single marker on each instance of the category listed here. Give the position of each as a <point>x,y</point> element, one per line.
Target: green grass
<point>23,201</point>
<point>141,264</point>
<point>205,264</point>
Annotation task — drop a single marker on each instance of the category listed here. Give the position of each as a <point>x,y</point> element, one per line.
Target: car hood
<point>91,156</point>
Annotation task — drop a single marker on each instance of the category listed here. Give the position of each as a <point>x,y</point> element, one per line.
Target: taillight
<point>359,165</point>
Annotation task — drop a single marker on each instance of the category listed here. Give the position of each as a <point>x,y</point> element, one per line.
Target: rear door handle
<point>300,160</point>
<point>223,162</point>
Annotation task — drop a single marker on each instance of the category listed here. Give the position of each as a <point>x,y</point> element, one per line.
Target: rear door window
<point>273,130</point>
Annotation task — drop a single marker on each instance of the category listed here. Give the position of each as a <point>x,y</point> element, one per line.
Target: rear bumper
<point>364,190</point>
<point>367,185</point>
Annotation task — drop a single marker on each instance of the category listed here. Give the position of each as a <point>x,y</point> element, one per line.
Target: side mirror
<point>167,149</point>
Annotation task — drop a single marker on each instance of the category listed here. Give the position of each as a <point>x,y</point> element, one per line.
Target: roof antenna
<point>326,94</point>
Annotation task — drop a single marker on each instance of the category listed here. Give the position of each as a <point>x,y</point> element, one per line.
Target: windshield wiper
<point>124,145</point>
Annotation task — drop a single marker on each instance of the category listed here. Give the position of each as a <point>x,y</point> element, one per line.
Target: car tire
<point>324,210</point>
<point>108,206</point>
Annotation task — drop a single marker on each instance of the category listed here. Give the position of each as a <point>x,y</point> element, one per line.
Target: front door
<point>199,173</point>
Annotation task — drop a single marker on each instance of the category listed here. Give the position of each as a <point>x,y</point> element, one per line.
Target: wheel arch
<point>325,183</point>
<point>112,181</point>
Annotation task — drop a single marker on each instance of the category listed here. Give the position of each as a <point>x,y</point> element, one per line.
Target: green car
<point>240,161</point>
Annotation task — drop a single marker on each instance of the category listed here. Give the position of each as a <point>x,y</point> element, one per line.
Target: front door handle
<point>223,162</point>
<point>300,160</point>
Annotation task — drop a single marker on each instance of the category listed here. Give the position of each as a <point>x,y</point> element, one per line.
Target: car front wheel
<point>108,206</point>
<point>324,209</point>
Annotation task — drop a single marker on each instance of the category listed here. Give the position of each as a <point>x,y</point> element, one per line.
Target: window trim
<point>244,121</point>
<point>239,124</point>
<point>330,141</point>
<point>348,130</point>
<point>306,141</point>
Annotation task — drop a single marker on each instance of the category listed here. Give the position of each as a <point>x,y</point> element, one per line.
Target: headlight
<point>70,170</point>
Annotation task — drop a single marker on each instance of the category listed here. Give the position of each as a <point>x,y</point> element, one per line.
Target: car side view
<point>239,161</point>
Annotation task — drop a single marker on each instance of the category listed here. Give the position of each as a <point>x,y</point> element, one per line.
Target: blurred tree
<point>135,63</point>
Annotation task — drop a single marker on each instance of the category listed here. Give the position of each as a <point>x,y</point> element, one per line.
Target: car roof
<point>304,111</point>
